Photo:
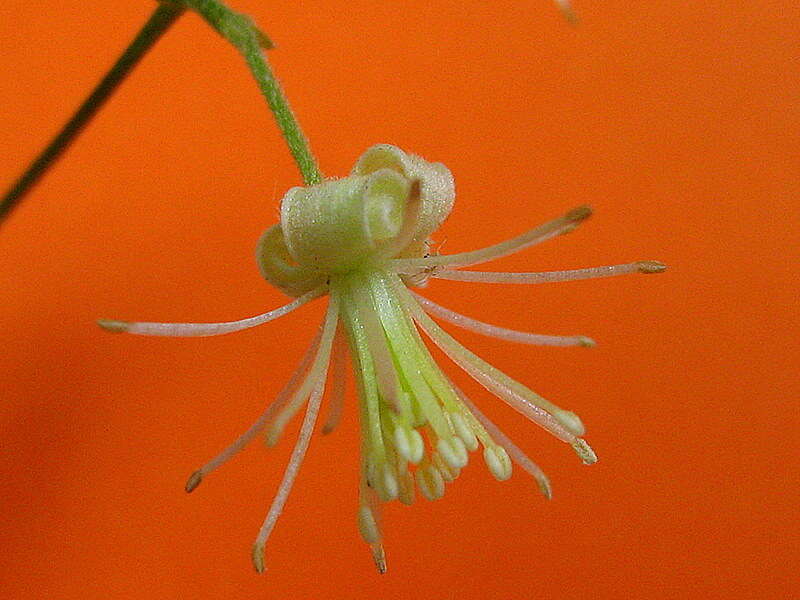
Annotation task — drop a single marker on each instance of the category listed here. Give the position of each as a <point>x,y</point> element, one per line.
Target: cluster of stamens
<point>362,241</point>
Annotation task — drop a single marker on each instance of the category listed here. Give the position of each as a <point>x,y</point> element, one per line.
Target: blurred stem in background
<point>241,32</point>
<point>237,28</point>
<point>161,20</point>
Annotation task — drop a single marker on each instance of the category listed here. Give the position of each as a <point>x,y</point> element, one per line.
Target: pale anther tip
<point>545,488</point>
<point>113,326</point>
<point>194,480</point>
<point>584,451</point>
<point>258,557</point>
<point>651,266</point>
<point>587,342</point>
<point>576,215</point>
<point>379,558</point>
<point>570,15</point>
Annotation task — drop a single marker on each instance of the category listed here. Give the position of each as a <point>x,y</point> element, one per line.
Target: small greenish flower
<point>363,241</point>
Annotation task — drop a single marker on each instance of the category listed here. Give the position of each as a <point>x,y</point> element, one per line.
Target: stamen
<point>462,422</point>
<point>406,483</point>
<point>405,348</point>
<point>584,451</point>
<point>453,451</point>
<point>378,346</point>
<point>318,371</point>
<point>378,557</point>
<point>409,444</point>
<point>382,469</point>
<point>498,462</point>
<point>449,473</point>
<point>338,380</point>
<point>516,454</point>
<point>389,488</point>
<point>381,476</point>
<point>431,373</point>
<point>289,476</point>
<point>369,516</point>
<point>464,432</point>
<point>197,477</point>
<point>563,224</point>
<point>502,333</point>
<point>563,424</point>
<point>430,482</point>
<point>644,266</point>
<point>205,329</point>
<point>373,449</point>
<point>367,525</point>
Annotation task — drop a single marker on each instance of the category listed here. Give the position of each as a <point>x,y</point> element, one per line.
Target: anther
<point>194,480</point>
<point>402,443</point>
<point>379,557</point>
<point>113,326</point>
<point>464,432</point>
<point>581,213</point>
<point>406,483</point>
<point>651,266</point>
<point>498,462</point>
<point>417,447</point>
<point>258,557</point>
<point>584,451</point>
<point>388,488</point>
<point>430,482</point>
<point>453,452</point>
<point>449,474</point>
<point>368,526</point>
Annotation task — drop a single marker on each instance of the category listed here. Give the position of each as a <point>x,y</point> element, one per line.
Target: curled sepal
<point>337,225</point>
<point>437,188</point>
<point>279,267</point>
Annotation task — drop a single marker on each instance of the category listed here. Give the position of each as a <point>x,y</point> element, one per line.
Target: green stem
<point>240,31</point>
<point>158,23</point>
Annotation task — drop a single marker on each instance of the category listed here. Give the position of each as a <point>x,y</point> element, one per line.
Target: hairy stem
<point>239,30</point>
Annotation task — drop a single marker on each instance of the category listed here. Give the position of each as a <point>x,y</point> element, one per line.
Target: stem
<point>239,30</point>
<point>158,23</point>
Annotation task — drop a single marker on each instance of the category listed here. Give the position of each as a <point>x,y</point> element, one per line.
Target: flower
<point>363,241</point>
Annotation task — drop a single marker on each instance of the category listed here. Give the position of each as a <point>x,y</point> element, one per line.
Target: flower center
<point>388,206</point>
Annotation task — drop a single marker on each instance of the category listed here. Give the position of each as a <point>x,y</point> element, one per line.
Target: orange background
<point>677,121</point>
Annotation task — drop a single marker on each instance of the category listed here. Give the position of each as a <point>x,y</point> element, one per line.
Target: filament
<point>338,380</point>
<point>317,371</point>
<point>513,450</point>
<point>206,329</point>
<point>378,346</point>
<point>563,224</point>
<point>519,397</point>
<point>298,453</point>
<point>280,401</point>
<point>650,266</point>
<point>502,333</point>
